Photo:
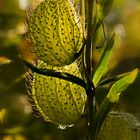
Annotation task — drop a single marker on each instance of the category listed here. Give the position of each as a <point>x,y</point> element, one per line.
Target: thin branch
<point>81,50</point>
<point>104,32</point>
<point>112,79</point>
<point>53,73</point>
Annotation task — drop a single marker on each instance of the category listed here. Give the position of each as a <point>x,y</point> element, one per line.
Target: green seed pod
<point>54,32</point>
<point>119,126</point>
<point>58,101</point>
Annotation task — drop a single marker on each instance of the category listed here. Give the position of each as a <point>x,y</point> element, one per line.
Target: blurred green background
<point>17,121</point>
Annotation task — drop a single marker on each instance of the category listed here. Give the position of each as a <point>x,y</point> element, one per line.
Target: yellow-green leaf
<point>3,112</point>
<point>4,60</point>
<point>58,101</point>
<point>103,8</point>
<point>54,32</point>
<point>118,87</point>
<point>101,66</point>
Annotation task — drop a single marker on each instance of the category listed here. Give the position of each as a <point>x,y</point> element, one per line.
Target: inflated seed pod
<point>54,32</point>
<point>119,126</point>
<point>57,100</point>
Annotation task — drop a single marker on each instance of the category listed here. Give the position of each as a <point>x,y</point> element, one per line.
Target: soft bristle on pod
<point>54,31</point>
<point>57,100</point>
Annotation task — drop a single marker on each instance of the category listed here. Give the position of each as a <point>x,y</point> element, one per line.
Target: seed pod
<point>58,101</point>
<point>54,32</point>
<point>119,126</point>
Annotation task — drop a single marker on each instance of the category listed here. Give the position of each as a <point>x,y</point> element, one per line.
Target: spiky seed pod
<point>54,32</point>
<point>58,101</point>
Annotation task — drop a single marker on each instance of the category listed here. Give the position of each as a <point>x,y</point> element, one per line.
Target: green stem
<point>88,61</point>
<point>101,115</point>
<point>53,73</point>
<point>90,97</point>
<point>89,33</point>
<point>82,12</point>
<point>111,79</point>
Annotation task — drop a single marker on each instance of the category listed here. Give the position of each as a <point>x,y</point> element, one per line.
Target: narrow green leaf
<point>3,112</point>
<point>14,130</point>
<point>104,7</point>
<point>121,85</point>
<point>101,114</point>
<point>112,98</point>
<point>4,60</point>
<point>103,60</point>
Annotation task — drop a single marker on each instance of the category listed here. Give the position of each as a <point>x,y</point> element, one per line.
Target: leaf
<point>54,32</point>
<point>4,60</point>
<point>104,7</point>
<point>118,87</point>
<point>14,130</point>
<point>103,61</point>
<point>3,113</point>
<point>111,98</point>
<point>58,101</point>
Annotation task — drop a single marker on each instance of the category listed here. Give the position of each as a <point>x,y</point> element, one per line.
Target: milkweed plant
<point>63,80</point>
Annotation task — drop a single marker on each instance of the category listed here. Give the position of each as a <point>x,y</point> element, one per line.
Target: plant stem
<point>90,97</point>
<point>101,115</point>
<point>57,74</point>
<point>89,42</point>
<point>82,12</point>
<point>88,61</point>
